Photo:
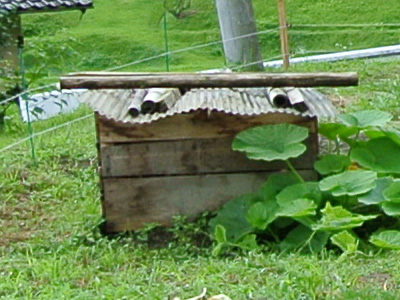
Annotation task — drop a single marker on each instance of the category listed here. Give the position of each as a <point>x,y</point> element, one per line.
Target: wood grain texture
<point>191,156</point>
<point>130,203</point>
<point>195,125</point>
<point>217,80</point>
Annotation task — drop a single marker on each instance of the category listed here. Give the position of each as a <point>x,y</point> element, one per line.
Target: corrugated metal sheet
<point>114,104</point>
<point>38,5</point>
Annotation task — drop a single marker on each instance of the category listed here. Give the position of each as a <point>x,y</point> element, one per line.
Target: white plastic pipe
<point>353,54</point>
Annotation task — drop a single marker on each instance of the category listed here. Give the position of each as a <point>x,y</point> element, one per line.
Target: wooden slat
<point>130,203</point>
<point>194,125</point>
<point>192,156</point>
<point>217,80</point>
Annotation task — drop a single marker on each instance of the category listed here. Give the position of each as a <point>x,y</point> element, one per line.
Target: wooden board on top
<point>199,124</point>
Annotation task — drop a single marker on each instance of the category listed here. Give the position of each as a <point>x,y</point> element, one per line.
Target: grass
<point>50,242</point>
<point>119,32</point>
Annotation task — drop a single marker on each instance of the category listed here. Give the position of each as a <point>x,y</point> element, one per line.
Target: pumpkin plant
<point>357,186</point>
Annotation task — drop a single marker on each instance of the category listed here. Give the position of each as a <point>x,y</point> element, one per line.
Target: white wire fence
<point>164,54</point>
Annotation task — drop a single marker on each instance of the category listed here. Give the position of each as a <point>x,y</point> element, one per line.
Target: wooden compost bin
<point>183,164</point>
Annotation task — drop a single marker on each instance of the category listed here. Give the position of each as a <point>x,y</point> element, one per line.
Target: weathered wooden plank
<point>202,80</point>
<point>191,156</point>
<point>199,124</point>
<point>130,203</point>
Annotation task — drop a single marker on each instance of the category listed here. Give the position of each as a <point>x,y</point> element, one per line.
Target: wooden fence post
<point>283,33</point>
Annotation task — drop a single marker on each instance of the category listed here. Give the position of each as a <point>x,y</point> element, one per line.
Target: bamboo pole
<point>193,80</point>
<point>283,33</point>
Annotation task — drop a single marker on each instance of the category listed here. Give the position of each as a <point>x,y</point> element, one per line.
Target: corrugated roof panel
<point>38,5</point>
<point>114,104</point>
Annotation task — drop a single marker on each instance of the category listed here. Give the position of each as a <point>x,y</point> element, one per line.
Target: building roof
<point>115,104</point>
<point>22,6</point>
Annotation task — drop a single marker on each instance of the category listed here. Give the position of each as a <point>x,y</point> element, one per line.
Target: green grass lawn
<point>50,242</point>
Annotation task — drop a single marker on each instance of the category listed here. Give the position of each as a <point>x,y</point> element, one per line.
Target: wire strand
<point>191,48</point>
<point>44,132</point>
<point>346,25</point>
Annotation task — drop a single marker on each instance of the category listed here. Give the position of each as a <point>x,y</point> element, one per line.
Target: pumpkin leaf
<point>365,118</point>
<point>261,214</point>
<point>309,190</point>
<point>275,184</point>
<point>345,241</point>
<point>389,239</point>
<point>332,163</point>
<point>232,216</point>
<point>248,242</point>
<point>297,208</point>
<point>380,155</point>
<point>220,234</point>
<point>336,218</point>
<point>271,142</point>
<point>301,235</point>
<point>334,130</point>
<point>392,192</point>
<point>391,208</point>
<point>392,133</point>
<point>349,183</point>
<point>375,196</point>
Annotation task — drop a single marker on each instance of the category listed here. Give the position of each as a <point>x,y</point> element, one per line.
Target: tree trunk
<point>236,19</point>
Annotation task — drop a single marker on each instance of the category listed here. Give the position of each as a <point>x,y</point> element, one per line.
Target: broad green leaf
<point>309,190</point>
<point>275,184</point>
<point>349,183</point>
<point>248,242</point>
<point>308,221</point>
<point>334,130</point>
<point>392,133</point>
<point>220,234</point>
<point>391,208</point>
<point>366,118</point>
<point>301,235</point>
<point>380,155</point>
<point>331,163</point>
<point>375,196</point>
<point>392,192</point>
<point>297,208</point>
<point>261,214</point>
<point>271,142</point>
<point>345,241</point>
<point>389,239</point>
<point>232,216</point>
<point>336,218</point>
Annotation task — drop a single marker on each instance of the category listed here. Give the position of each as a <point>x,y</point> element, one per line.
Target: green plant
<point>9,86</point>
<point>358,186</point>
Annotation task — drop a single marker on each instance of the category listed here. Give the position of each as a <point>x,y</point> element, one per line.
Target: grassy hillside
<point>118,32</point>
